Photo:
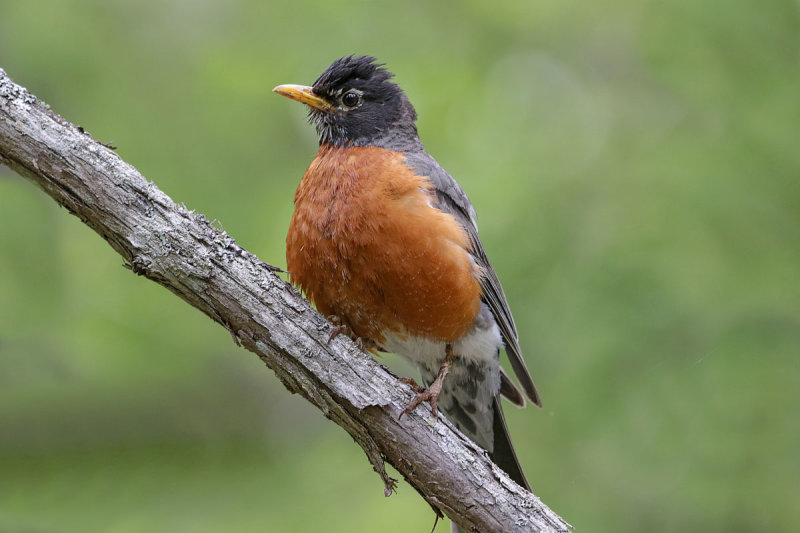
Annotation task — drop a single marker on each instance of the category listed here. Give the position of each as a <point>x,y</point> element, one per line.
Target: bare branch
<point>182,251</point>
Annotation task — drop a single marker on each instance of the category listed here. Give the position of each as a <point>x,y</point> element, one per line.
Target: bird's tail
<point>503,453</point>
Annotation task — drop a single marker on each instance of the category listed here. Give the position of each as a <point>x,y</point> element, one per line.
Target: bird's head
<point>354,102</point>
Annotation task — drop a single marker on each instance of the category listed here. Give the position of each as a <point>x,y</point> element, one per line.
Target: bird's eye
<point>351,99</point>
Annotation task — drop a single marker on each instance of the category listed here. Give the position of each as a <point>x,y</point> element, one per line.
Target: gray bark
<point>181,250</point>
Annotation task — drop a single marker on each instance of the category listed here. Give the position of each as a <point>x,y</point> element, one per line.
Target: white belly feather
<point>473,381</point>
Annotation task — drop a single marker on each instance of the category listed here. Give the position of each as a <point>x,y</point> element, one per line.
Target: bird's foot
<point>341,328</point>
<point>431,394</point>
<point>411,383</point>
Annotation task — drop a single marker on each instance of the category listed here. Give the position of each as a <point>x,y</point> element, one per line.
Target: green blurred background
<point>636,169</point>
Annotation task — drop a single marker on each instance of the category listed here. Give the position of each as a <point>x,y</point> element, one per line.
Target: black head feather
<point>382,116</point>
<point>351,68</point>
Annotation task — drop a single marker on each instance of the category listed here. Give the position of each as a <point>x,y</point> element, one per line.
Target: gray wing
<point>452,199</point>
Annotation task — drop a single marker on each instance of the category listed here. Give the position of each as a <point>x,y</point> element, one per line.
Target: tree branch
<point>184,252</point>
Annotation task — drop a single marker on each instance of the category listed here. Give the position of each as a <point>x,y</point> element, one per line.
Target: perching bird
<point>386,241</point>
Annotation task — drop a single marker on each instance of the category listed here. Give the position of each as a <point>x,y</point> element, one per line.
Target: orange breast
<point>366,245</point>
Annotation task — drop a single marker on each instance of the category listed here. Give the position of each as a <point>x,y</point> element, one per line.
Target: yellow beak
<point>303,94</point>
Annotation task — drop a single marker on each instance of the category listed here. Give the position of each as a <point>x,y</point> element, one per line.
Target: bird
<point>385,242</point>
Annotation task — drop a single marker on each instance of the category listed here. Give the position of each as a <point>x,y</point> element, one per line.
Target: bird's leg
<point>431,394</point>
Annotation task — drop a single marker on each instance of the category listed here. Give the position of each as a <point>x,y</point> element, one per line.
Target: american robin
<point>386,241</point>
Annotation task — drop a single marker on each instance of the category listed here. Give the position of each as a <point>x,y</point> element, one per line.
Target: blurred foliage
<point>637,173</point>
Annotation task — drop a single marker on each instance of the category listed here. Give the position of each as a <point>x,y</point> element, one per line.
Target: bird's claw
<point>411,383</point>
<point>338,330</point>
<point>341,328</point>
<point>430,395</point>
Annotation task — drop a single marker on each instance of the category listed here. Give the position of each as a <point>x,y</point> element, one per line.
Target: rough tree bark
<point>182,251</point>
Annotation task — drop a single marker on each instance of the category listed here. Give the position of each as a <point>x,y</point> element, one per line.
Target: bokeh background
<point>636,170</point>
